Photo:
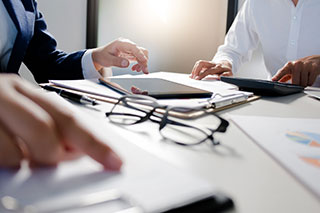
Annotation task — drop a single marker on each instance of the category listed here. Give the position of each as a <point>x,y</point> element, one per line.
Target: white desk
<point>255,181</point>
<point>237,167</point>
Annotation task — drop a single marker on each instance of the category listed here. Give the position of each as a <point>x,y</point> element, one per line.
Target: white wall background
<point>192,30</point>
<point>66,20</point>
<point>177,33</point>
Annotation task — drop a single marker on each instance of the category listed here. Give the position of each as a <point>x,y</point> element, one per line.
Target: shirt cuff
<point>88,69</point>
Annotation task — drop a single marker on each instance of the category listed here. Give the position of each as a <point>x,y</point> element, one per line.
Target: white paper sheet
<point>313,92</point>
<point>294,142</point>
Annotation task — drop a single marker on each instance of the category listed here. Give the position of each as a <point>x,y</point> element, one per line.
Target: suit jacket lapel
<point>22,14</point>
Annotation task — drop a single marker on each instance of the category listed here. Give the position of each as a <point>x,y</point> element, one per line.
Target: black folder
<point>215,203</point>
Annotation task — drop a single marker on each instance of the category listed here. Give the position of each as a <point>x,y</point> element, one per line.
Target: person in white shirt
<point>288,33</point>
<point>32,126</point>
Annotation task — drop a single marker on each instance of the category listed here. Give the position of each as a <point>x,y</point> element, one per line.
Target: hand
<point>33,127</point>
<point>204,68</point>
<point>136,90</point>
<point>301,72</point>
<point>120,53</point>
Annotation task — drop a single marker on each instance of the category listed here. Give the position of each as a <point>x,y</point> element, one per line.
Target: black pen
<point>82,99</point>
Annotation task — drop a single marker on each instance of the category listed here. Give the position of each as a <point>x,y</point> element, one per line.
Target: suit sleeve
<point>45,61</point>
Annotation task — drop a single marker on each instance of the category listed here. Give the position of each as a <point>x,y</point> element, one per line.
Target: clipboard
<point>209,107</point>
<point>155,87</point>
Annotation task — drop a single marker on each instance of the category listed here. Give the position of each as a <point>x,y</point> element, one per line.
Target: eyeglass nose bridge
<point>212,140</point>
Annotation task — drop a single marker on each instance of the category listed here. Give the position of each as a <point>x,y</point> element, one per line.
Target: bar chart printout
<point>293,142</point>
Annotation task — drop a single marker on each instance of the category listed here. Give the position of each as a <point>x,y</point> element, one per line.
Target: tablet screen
<point>155,87</point>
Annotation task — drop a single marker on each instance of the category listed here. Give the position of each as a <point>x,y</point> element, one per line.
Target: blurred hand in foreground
<point>35,128</point>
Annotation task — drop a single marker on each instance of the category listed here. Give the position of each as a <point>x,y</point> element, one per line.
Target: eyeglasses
<point>135,109</point>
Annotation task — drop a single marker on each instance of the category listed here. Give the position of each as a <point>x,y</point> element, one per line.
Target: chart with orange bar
<point>293,142</point>
<point>306,138</point>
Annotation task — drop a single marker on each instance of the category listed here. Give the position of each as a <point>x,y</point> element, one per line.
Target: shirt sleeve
<point>241,39</point>
<point>88,69</point>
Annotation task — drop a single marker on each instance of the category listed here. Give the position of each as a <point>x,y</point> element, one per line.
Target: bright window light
<point>160,8</point>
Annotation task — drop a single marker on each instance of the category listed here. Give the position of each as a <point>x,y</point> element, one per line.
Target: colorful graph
<point>315,161</point>
<point>306,138</point>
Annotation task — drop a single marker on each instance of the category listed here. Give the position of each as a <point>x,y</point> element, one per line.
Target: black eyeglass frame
<point>164,119</point>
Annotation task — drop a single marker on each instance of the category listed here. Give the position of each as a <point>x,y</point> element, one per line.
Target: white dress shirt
<point>285,32</point>
<point>8,34</point>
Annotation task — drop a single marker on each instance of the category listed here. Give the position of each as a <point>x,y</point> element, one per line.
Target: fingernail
<point>113,162</point>
<point>124,63</point>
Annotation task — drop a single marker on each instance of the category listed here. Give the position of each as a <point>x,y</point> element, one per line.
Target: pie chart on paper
<point>305,138</point>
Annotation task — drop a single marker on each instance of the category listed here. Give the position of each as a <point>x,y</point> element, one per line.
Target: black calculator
<point>263,87</point>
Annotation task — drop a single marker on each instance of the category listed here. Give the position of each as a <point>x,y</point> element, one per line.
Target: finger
<point>34,126</point>
<point>304,74</point>
<point>73,132</point>
<point>145,70</point>
<point>145,51</point>
<point>138,68</point>
<point>313,75</point>
<point>285,78</point>
<point>119,61</point>
<point>287,69</point>
<point>136,90</point>
<point>128,56</point>
<point>213,71</point>
<point>199,66</point>
<point>128,47</point>
<point>224,74</point>
<point>10,154</point>
<point>297,73</point>
<point>135,67</point>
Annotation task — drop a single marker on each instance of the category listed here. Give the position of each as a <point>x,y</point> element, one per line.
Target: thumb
<point>119,61</point>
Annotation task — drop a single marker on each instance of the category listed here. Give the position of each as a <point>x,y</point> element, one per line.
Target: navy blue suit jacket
<point>36,48</point>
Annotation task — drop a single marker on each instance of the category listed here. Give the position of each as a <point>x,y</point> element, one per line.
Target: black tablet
<point>263,87</point>
<point>155,87</point>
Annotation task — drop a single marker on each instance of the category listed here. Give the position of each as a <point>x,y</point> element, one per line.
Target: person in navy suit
<point>33,45</point>
<point>32,126</point>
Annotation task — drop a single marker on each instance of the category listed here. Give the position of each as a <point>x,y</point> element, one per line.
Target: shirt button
<point>294,17</point>
<point>293,43</point>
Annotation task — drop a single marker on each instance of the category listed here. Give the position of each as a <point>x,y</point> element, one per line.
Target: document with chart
<point>294,142</point>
